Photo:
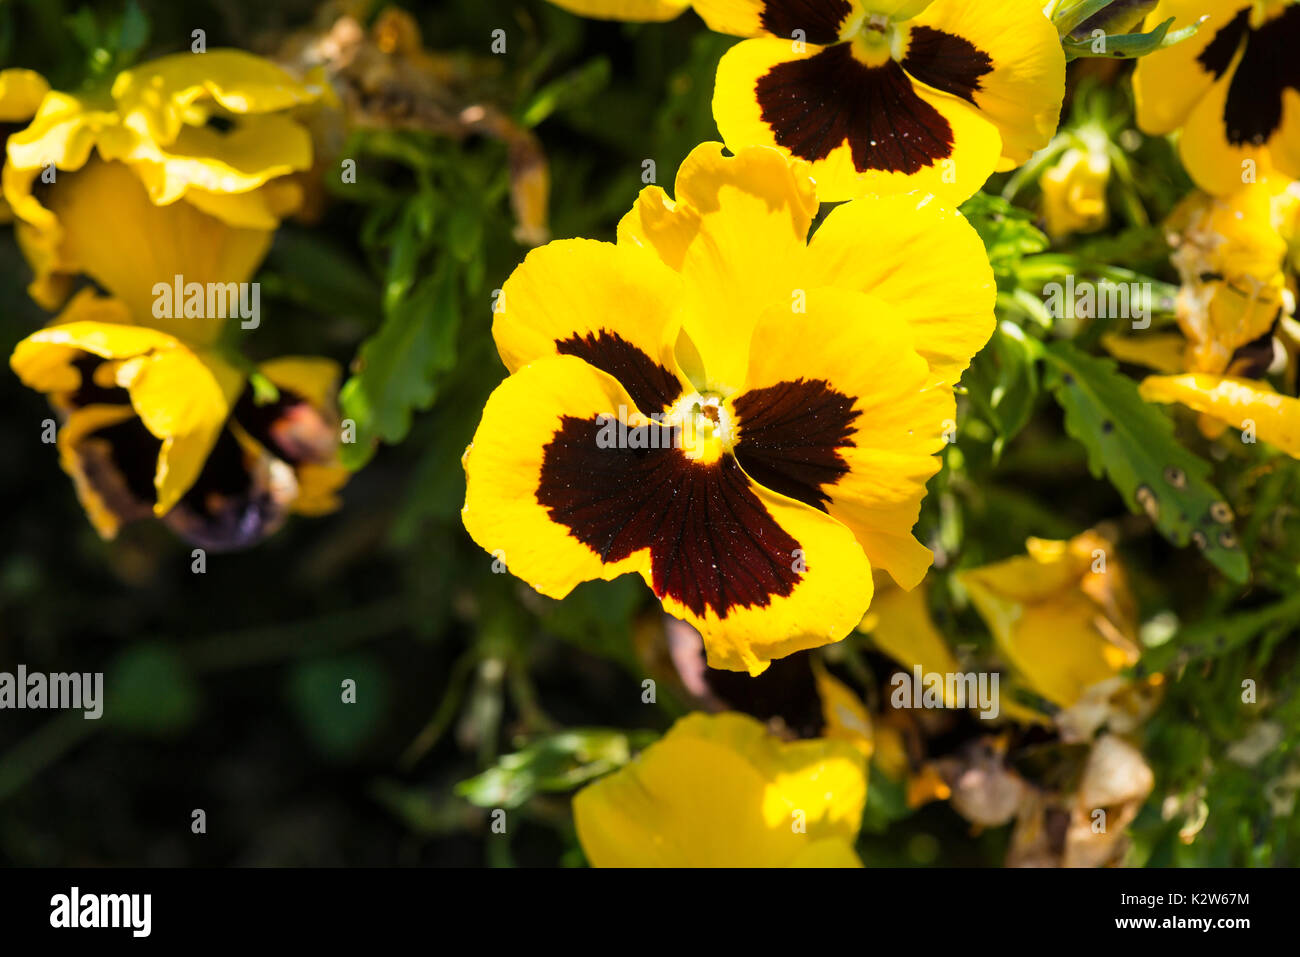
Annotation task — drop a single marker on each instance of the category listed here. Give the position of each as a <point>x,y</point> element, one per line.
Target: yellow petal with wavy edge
<point>583,297</point>
<point>976,144</point>
<point>157,99</point>
<point>926,261</point>
<point>21,93</point>
<point>1240,403</point>
<point>896,419</point>
<point>150,245</point>
<point>737,232</point>
<point>1168,83</point>
<point>503,470</point>
<point>635,10</point>
<point>1023,93</point>
<point>257,150</point>
<point>718,791</point>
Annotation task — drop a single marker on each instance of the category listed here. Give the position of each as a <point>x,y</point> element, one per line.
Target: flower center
<point>706,426</point>
<point>877,39</point>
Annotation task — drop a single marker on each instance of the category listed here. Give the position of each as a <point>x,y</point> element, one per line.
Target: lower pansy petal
<point>863,128</point>
<point>1241,403</point>
<point>840,412</point>
<point>613,306</point>
<point>923,259</point>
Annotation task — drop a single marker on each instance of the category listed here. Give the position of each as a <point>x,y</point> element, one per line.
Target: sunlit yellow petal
<point>1168,83</point>
<point>1240,403</point>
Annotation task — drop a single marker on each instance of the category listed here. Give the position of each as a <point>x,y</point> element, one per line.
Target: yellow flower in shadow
<point>215,132</point>
<point>1062,614</point>
<point>719,791</point>
<point>155,426</point>
<point>21,93</point>
<point>1074,192</point>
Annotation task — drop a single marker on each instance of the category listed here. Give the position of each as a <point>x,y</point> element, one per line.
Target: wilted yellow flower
<point>1062,614</point>
<point>154,426</point>
<point>1231,254</point>
<point>215,131</point>
<point>1074,192</point>
<point>719,791</point>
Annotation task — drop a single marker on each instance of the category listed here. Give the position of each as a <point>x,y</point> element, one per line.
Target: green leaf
<point>1008,231</point>
<point>151,691</point>
<point>1132,442</point>
<point>336,726</point>
<point>1126,46</point>
<point>1215,637</point>
<point>398,368</point>
<point>1003,385</point>
<point>553,762</point>
<point>571,90</point>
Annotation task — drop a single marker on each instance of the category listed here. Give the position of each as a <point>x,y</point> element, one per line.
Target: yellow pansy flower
<point>1074,192</point>
<point>154,426</point>
<point>1227,88</point>
<point>745,418</point>
<point>883,96</point>
<point>1062,614</point>
<point>719,791</point>
<point>1231,254</point>
<point>215,131</point>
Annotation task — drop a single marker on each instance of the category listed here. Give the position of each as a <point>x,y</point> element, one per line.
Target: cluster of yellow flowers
<point>159,197</point>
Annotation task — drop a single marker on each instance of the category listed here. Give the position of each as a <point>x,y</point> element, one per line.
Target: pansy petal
<point>737,232</point>
<point>923,259</point>
<point>614,307</point>
<point>821,21</point>
<point>43,360</point>
<point>523,419</point>
<point>637,11</point>
<point>863,129</point>
<point>719,791</point>
<point>21,93</point>
<point>841,413</point>
<point>1168,83</point>
<point>1003,57</point>
<point>156,98</point>
<point>151,245</point>
<point>1164,352</point>
<point>1240,403</point>
<point>94,445</point>
<point>1215,164</point>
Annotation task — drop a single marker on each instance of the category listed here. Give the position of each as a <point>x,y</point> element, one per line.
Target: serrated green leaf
<point>1126,46</point>
<point>1008,232</point>
<point>1132,442</point>
<point>398,368</point>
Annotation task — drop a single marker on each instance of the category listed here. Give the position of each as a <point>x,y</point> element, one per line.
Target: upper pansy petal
<point>1235,402</point>
<point>841,412</point>
<point>1004,57</point>
<point>634,10</point>
<point>1168,83</point>
<point>863,128</point>
<point>720,791</point>
<point>156,99</point>
<point>820,21</point>
<point>922,258</point>
<point>737,232</point>
<point>614,306</point>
